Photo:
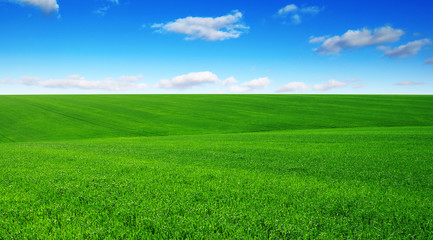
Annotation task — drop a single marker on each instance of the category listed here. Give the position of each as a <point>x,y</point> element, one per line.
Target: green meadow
<point>216,167</point>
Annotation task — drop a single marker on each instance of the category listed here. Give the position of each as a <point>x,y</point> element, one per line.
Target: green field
<point>216,166</point>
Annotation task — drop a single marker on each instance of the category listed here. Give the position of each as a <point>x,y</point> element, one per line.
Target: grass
<point>65,117</point>
<point>342,174</point>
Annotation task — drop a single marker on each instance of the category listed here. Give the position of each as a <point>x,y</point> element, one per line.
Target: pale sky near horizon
<point>293,47</point>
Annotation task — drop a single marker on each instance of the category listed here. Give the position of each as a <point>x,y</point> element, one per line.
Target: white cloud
<point>287,9</point>
<point>104,9</point>
<point>199,78</point>
<point>294,12</point>
<point>359,85</point>
<point>311,10</point>
<point>408,83</point>
<point>77,81</point>
<point>359,38</point>
<point>29,80</point>
<point>206,28</point>
<point>429,61</point>
<point>189,80</point>
<point>46,5</point>
<point>316,39</point>
<point>406,50</point>
<point>157,25</point>
<point>258,83</point>
<point>228,81</point>
<point>6,81</point>
<point>330,85</point>
<point>239,89</point>
<point>292,86</point>
<point>296,19</point>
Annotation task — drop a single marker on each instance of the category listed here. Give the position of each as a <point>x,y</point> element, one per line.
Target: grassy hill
<point>216,167</point>
<point>36,118</point>
<point>363,183</point>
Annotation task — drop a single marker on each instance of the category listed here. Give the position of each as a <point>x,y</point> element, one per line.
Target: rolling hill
<point>216,167</point>
<point>62,117</point>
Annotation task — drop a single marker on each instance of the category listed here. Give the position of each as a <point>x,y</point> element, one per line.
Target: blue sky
<point>300,47</point>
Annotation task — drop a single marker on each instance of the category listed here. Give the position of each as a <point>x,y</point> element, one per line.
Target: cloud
<point>296,19</point>
<point>359,38</point>
<point>239,89</point>
<point>206,28</point>
<point>258,83</point>
<point>29,80</point>
<point>316,39</point>
<point>311,10</point>
<point>6,81</point>
<point>292,86</point>
<point>189,80</point>
<point>287,9</point>
<point>294,12</point>
<point>199,78</point>
<point>104,9</point>
<point>409,49</point>
<point>330,85</point>
<point>408,83</point>
<point>77,81</point>
<point>428,61</point>
<point>157,25</point>
<point>47,6</point>
<point>228,81</point>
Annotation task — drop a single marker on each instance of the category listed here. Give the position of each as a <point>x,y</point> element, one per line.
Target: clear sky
<point>216,46</point>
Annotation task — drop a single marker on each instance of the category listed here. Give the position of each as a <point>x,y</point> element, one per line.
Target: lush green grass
<point>352,183</point>
<point>35,118</point>
<point>332,167</point>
